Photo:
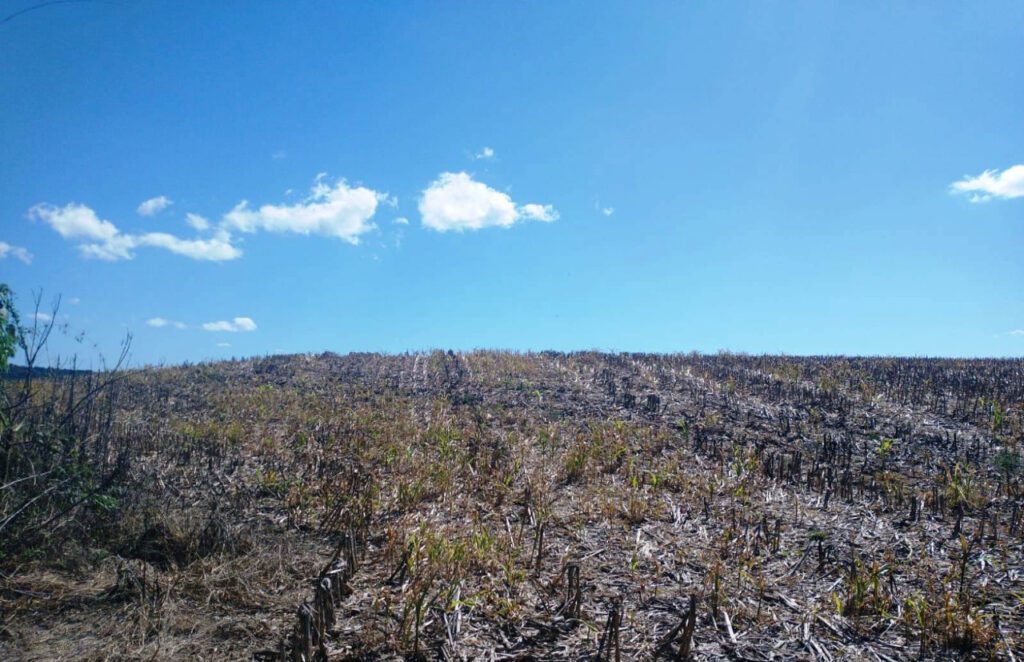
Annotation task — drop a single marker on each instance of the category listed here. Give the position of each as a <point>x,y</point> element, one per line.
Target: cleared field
<point>492,505</point>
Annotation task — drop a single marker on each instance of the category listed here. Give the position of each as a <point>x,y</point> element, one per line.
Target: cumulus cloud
<point>486,154</point>
<point>454,201</point>
<point>154,205</point>
<point>232,326</point>
<point>160,322</point>
<point>401,220</point>
<point>16,252</point>
<point>101,239</point>
<point>74,221</point>
<point>333,211</point>
<point>992,184</point>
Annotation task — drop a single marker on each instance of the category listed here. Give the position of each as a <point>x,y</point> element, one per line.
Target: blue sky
<point>668,176</point>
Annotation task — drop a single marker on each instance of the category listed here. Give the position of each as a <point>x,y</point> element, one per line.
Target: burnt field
<point>493,505</point>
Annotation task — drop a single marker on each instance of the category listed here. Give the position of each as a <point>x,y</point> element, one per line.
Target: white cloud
<point>15,252</point>
<point>992,184</point>
<point>607,211</point>
<point>216,248</point>
<point>197,222</point>
<point>74,301</point>
<point>455,202</point>
<point>485,154</point>
<point>160,322</point>
<point>536,212</point>
<point>236,324</point>
<point>154,205</point>
<point>1016,332</point>
<point>223,344</point>
<point>118,247</point>
<point>278,155</point>
<point>42,317</point>
<point>75,221</point>
<point>401,220</point>
<point>333,211</point>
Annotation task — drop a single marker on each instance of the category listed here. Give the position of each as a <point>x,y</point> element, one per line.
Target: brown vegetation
<point>494,505</point>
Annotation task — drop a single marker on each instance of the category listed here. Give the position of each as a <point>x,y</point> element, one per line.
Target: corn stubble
<point>496,505</point>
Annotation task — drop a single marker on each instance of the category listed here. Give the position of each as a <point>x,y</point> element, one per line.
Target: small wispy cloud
<point>217,248</point>
<point>223,344</point>
<point>16,252</point>
<point>101,239</point>
<point>197,222</point>
<point>235,325</point>
<point>535,212</point>
<point>486,154</point>
<point>160,322</point>
<point>992,184</point>
<point>154,205</point>
<point>401,220</point>
<point>602,209</point>
<point>1015,332</point>
<point>279,155</point>
<point>454,201</point>
<point>42,317</point>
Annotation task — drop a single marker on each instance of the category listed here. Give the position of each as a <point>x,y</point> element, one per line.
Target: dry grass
<point>559,506</point>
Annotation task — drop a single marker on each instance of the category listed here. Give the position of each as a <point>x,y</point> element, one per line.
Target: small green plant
<point>1008,462</point>
<point>9,323</point>
<point>948,619</point>
<point>575,463</point>
<point>961,487</point>
<point>998,416</point>
<point>864,591</point>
